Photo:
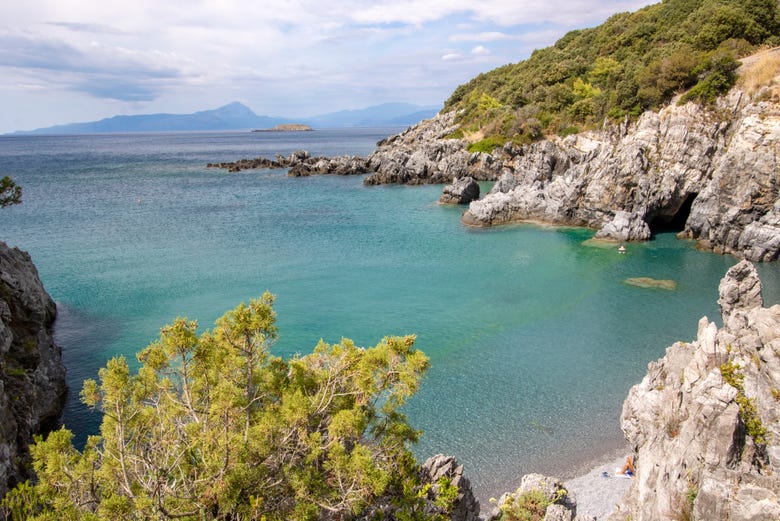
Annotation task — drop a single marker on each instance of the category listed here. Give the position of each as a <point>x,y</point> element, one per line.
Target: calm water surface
<point>534,338</point>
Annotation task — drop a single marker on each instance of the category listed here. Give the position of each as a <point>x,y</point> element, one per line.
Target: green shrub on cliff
<point>10,192</point>
<point>630,63</point>
<point>212,426</point>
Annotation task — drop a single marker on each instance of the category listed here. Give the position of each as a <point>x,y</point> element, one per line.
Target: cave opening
<point>675,222</point>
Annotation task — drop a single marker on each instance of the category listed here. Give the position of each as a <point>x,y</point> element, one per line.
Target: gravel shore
<point>597,495</point>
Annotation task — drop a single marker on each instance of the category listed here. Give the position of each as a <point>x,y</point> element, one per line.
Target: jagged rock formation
<point>463,190</point>
<point>705,422</point>
<point>562,503</point>
<point>436,476</point>
<point>419,155</point>
<point>32,377</point>
<point>710,173</point>
<point>466,507</point>
<point>301,164</point>
<point>422,155</point>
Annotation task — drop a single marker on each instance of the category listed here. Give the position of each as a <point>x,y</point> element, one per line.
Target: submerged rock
<point>463,190</point>
<point>704,422</point>
<point>32,377</point>
<point>647,282</point>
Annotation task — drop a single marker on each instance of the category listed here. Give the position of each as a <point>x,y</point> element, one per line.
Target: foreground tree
<point>215,427</point>
<point>10,192</point>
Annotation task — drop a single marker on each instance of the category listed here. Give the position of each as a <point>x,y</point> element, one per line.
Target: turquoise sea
<point>533,336</point>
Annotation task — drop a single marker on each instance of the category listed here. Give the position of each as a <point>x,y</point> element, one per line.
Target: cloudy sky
<point>80,60</point>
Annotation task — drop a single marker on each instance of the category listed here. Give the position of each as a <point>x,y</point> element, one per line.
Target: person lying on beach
<point>628,468</point>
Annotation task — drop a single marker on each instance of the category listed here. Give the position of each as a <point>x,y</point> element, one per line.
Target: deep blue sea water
<point>533,336</point>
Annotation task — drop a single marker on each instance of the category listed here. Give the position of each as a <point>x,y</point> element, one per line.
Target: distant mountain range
<point>237,116</point>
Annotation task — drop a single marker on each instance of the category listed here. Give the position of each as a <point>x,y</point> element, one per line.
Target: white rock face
<point>718,165</point>
<point>705,421</point>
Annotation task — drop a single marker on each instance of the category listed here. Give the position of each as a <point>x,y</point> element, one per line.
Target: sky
<point>64,61</point>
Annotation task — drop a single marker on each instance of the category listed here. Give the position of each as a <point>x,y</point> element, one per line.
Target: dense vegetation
<point>212,426</point>
<point>630,63</point>
<point>10,192</point>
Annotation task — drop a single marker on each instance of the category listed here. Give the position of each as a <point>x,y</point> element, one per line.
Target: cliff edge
<point>32,377</point>
<point>707,172</point>
<point>710,173</point>
<point>705,422</point>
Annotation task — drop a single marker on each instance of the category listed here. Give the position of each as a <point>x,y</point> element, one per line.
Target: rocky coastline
<point>704,422</point>
<point>703,428</point>
<point>703,425</point>
<point>300,164</point>
<point>708,173</point>
<point>32,376</point>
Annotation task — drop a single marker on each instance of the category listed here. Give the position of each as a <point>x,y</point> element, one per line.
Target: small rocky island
<point>286,127</point>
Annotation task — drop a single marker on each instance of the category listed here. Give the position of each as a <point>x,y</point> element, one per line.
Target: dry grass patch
<point>759,70</point>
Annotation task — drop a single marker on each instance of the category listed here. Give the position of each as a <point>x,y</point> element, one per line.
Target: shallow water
<point>533,336</point>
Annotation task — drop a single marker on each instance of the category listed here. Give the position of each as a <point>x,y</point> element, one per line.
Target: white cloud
<point>291,55</point>
<point>490,36</point>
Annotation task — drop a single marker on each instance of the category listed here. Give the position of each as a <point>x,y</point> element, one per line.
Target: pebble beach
<point>596,494</point>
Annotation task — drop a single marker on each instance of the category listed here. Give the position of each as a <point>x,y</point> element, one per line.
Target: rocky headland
<point>32,377</point>
<point>300,164</point>
<point>704,422</point>
<point>707,172</point>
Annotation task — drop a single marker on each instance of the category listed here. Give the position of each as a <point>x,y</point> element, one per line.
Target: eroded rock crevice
<point>673,218</point>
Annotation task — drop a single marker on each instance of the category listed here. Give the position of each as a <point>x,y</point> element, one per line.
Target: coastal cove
<point>534,337</point>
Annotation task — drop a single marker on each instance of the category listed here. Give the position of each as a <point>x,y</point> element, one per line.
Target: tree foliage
<point>630,63</point>
<point>212,426</point>
<point>10,192</point>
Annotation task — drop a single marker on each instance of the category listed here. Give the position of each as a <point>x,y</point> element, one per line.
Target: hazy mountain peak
<point>237,116</point>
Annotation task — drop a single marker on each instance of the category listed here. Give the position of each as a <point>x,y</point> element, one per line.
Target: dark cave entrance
<point>673,222</point>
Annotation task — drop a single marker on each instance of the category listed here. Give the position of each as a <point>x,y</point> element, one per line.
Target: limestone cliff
<point>705,422</point>
<point>32,377</point>
<point>709,172</point>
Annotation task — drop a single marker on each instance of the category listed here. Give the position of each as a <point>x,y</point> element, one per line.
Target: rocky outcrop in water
<point>705,421</point>
<point>422,154</point>
<point>300,164</point>
<point>462,190</point>
<point>711,173</point>
<point>32,377</point>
